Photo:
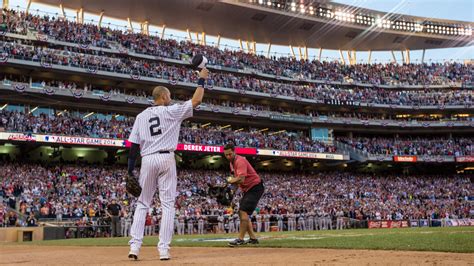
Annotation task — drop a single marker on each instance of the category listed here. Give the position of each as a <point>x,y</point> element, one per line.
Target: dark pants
<point>250,199</point>
<point>115,226</point>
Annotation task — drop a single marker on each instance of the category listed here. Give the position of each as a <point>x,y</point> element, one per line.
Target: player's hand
<point>234,180</point>
<point>204,73</point>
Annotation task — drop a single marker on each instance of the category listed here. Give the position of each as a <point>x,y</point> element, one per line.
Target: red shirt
<point>148,220</point>
<point>242,167</point>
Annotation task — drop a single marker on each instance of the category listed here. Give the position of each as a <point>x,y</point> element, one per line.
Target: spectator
<point>89,34</point>
<point>412,146</point>
<point>358,196</point>
<point>12,219</point>
<point>31,220</point>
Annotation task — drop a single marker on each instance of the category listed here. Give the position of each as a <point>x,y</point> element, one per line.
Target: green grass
<point>453,239</point>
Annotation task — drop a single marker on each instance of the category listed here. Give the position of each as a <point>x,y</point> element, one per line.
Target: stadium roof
<point>238,19</point>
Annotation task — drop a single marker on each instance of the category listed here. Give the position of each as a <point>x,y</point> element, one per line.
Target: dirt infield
<point>224,256</point>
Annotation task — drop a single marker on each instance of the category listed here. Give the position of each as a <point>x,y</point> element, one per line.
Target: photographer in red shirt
<point>251,185</point>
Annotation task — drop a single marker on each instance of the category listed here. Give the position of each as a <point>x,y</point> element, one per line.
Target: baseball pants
<point>280,225</point>
<point>267,227</point>
<point>157,171</point>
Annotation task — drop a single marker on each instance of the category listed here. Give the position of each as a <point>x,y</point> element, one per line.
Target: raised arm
<point>199,93</point>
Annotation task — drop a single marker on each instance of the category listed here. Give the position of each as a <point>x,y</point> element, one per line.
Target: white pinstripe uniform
<point>266,219</point>
<point>231,225</point>
<point>280,222</point>
<point>190,223</point>
<point>156,129</point>
<point>200,224</point>
<point>258,218</point>
<point>236,222</point>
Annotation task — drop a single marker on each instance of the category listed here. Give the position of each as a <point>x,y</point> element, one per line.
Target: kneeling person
<point>252,187</point>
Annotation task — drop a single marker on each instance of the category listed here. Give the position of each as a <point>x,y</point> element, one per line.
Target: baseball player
<point>301,222</point>
<point>259,222</point>
<point>128,224</point>
<point>310,221</point>
<point>252,187</point>
<point>226,224</point>
<point>291,222</point>
<point>155,135</point>
<point>190,222</point>
<point>445,219</point>
<point>220,223</point>
<point>320,219</point>
<point>123,223</point>
<point>176,223</point>
<point>181,224</point>
<point>231,225</point>
<point>280,222</point>
<point>266,218</point>
<point>327,216</point>
<point>288,221</point>
<point>340,219</point>
<point>200,224</point>
<point>236,221</point>
<point>324,219</point>
<point>158,222</point>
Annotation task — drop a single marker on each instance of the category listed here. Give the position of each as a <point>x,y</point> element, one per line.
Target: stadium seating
<point>81,191</point>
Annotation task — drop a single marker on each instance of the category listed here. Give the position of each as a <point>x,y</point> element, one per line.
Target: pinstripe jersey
<point>157,128</point>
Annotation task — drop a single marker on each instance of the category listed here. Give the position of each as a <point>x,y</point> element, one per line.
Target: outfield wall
<point>21,234</point>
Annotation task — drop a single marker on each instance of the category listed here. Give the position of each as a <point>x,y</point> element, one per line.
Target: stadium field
<point>447,246</point>
<point>450,239</point>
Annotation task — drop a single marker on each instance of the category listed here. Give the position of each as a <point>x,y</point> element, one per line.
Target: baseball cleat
<point>133,255</point>
<point>165,255</point>
<point>253,241</point>
<point>237,242</point>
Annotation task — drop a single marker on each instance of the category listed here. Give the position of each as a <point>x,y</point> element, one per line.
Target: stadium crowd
<point>76,125</point>
<point>216,135</point>
<point>89,34</point>
<point>236,105</point>
<point>298,201</point>
<point>412,146</point>
<point>321,93</point>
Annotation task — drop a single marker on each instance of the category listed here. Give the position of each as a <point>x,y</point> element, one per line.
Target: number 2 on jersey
<point>155,123</point>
